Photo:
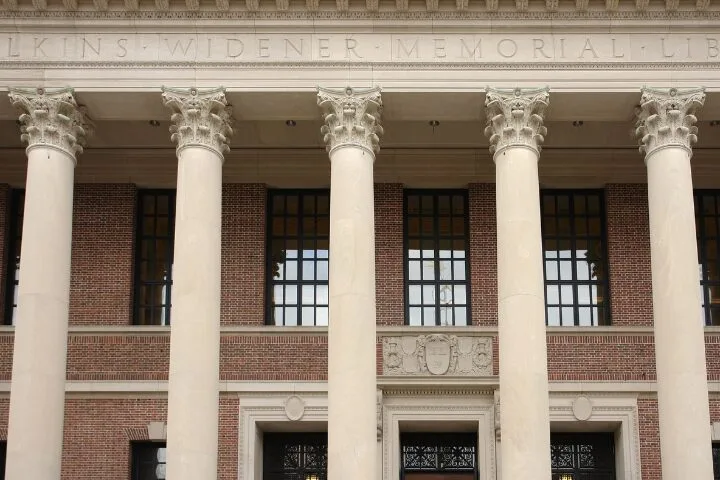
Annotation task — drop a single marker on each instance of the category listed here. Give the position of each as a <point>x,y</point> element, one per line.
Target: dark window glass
<point>148,460</point>
<point>298,251</point>
<point>295,456</point>
<point>716,460</point>
<point>3,457</point>
<point>154,256</point>
<point>586,456</point>
<point>575,258</point>
<point>451,453</point>
<point>17,210</point>
<point>437,290</point>
<point>707,217</point>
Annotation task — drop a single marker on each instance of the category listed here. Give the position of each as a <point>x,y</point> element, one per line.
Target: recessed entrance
<point>438,456</point>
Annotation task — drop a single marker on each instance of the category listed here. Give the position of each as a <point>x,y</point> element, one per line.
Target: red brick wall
<point>628,237</point>
<point>389,257</point>
<point>483,254</point>
<point>712,356</point>
<point>601,357</point>
<point>243,254</point>
<point>102,254</point>
<point>649,439</point>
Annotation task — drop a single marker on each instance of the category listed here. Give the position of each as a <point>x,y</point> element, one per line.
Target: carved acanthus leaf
<point>702,5</point>
<point>642,5</point>
<point>312,5</point>
<point>342,5</point>
<point>252,5</point>
<point>162,5</point>
<point>100,5</point>
<point>552,5</point>
<point>402,5</point>
<point>51,118</point>
<point>582,5</point>
<point>70,5</point>
<point>222,5</point>
<point>9,4</point>
<point>515,118</point>
<point>666,117</point>
<point>351,118</point>
<point>492,5</point>
<point>132,5</point>
<point>282,5</point>
<point>672,5</point>
<point>522,5</point>
<point>432,5</point>
<point>612,5</point>
<point>372,5</point>
<point>192,5</point>
<point>39,4</point>
<point>199,118</point>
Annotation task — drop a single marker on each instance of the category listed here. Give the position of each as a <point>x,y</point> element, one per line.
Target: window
<point>148,461</point>
<point>707,216</point>
<point>436,253</point>
<point>295,456</point>
<point>154,257</point>
<point>586,456</point>
<point>452,454</point>
<point>575,258</point>
<point>3,458</point>
<point>716,460</point>
<point>299,242</point>
<point>17,209</point>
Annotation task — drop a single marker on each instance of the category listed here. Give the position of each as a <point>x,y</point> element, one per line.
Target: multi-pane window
<point>586,456</point>
<point>707,219</point>
<point>452,454</point>
<point>148,461</point>
<point>154,257</point>
<point>299,242</point>
<point>575,260</point>
<point>436,258</point>
<point>295,456</point>
<point>17,207</point>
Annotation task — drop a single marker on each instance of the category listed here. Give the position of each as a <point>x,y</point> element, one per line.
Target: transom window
<point>17,210</point>
<point>299,242</point>
<point>154,257</point>
<point>295,456</point>
<point>707,221</point>
<point>575,258</point>
<point>436,257</point>
<point>448,453</point>
<point>148,460</point>
<point>587,456</point>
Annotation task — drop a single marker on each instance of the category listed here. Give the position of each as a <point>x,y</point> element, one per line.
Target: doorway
<point>438,456</point>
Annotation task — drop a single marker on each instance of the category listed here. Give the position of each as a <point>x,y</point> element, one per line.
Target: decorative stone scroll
<point>437,354</point>
<point>51,118</point>
<point>201,118</point>
<point>515,118</point>
<point>666,117</point>
<point>351,118</point>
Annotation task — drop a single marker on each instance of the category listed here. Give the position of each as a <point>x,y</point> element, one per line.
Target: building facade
<point>271,240</point>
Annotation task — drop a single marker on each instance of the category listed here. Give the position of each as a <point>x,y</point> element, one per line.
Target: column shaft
<point>200,127</point>
<point>515,128</point>
<point>37,400</point>
<point>52,125</point>
<point>352,418</point>
<point>667,131</point>
<point>351,132</point>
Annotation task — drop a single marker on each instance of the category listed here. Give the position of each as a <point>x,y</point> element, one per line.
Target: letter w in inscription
<point>179,45</point>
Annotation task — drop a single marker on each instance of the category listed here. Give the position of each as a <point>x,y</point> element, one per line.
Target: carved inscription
<point>437,354</point>
<point>359,48</point>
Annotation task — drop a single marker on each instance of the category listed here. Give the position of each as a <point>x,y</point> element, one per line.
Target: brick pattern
<point>483,254</point>
<point>101,281</point>
<point>628,235</point>
<point>389,256</point>
<point>228,437</point>
<point>712,356</point>
<point>649,439</point>
<point>608,357</point>
<point>243,254</point>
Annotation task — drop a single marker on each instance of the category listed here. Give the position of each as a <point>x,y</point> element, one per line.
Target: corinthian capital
<point>51,118</point>
<point>515,118</point>
<point>351,118</point>
<point>201,118</point>
<point>666,117</point>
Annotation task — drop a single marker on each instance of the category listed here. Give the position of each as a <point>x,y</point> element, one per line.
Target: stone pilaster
<point>515,129</point>
<point>201,128</point>
<point>666,127</point>
<point>54,129</point>
<point>351,131</point>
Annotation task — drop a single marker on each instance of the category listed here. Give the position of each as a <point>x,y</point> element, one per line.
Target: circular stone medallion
<point>294,408</point>
<point>582,408</point>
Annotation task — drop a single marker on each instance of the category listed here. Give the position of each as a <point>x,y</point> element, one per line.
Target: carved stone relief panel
<point>437,354</point>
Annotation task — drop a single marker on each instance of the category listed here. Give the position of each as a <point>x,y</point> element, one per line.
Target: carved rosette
<point>201,118</point>
<point>352,118</point>
<point>51,118</point>
<point>515,118</point>
<point>666,118</point>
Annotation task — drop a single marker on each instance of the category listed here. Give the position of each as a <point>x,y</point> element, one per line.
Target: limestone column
<point>201,127</point>
<point>666,127</point>
<point>516,131</point>
<point>351,132</point>
<point>54,129</point>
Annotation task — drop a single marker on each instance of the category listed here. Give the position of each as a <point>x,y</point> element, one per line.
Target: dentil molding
<point>666,118</point>
<point>351,118</point>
